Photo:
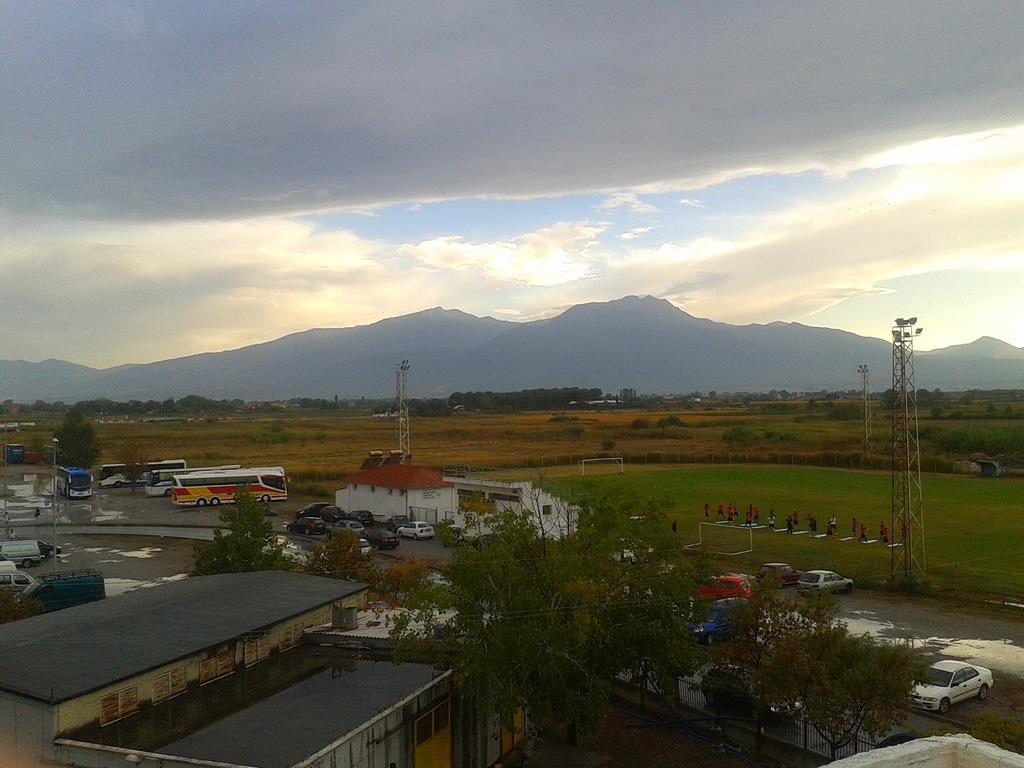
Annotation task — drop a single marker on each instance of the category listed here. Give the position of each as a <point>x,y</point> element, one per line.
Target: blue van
<point>63,590</point>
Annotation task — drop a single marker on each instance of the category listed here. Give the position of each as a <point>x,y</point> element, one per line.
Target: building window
<point>119,705</point>
<point>216,667</point>
<point>390,491</point>
<point>431,722</point>
<point>546,509</point>
<point>373,489</point>
<point>169,684</point>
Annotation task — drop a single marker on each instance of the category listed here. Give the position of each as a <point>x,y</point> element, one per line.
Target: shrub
<point>669,421</point>
<point>640,424</point>
<point>739,434</point>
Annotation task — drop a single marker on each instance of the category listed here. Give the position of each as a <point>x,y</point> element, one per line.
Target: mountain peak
<point>984,346</point>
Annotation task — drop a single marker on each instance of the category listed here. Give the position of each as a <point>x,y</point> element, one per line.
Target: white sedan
<point>417,529</point>
<point>950,682</point>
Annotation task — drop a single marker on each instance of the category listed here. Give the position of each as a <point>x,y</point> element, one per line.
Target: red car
<point>787,575</point>
<point>733,585</point>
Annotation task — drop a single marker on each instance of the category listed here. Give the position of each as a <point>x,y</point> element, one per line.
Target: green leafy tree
<point>134,457</point>
<point>850,684</point>
<point>248,545</point>
<point>340,558</point>
<point>764,632</point>
<point>77,445</point>
<point>550,623</point>
<point>12,609</point>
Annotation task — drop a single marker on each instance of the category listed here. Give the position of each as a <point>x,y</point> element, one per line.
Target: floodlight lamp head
<point>919,330</point>
<point>900,321</point>
<point>911,321</point>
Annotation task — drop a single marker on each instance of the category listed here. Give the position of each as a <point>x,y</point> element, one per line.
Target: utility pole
<point>865,385</point>
<point>53,542</point>
<point>402,406</point>
<point>907,535</point>
<point>7,518</point>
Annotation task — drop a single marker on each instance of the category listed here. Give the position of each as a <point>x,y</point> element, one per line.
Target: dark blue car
<point>718,625</point>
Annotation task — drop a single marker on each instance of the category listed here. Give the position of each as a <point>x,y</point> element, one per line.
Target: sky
<point>180,177</point>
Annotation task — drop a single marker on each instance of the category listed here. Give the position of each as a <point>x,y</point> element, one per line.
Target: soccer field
<point>974,528</point>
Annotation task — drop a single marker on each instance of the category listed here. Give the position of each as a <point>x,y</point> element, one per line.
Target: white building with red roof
<point>426,494</point>
<point>398,489</point>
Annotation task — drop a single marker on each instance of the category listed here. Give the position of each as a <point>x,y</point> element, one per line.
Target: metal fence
<point>795,731</point>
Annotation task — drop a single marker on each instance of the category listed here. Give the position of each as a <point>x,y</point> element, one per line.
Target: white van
<point>22,552</point>
<point>15,581</point>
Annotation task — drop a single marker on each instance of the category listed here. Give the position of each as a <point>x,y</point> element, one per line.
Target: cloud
<point>551,256</point>
<point>691,202</point>
<point>629,201</point>
<point>219,110</point>
<point>636,232</point>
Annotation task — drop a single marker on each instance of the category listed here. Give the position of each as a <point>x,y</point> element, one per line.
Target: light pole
<point>7,519</point>
<point>53,542</point>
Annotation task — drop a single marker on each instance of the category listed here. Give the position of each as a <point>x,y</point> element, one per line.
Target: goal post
<point>616,463</point>
<point>724,539</point>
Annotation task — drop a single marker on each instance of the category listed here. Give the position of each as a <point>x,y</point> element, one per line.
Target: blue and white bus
<point>74,483</point>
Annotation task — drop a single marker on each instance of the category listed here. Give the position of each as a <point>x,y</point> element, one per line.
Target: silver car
<point>823,581</point>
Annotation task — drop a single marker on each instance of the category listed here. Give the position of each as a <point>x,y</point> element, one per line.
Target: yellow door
<point>433,738</point>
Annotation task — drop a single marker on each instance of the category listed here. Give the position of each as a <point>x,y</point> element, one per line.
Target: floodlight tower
<point>865,385</point>
<point>907,535</point>
<point>402,406</point>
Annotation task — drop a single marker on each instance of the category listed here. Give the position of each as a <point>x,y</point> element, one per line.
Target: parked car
<point>727,689</point>
<point>46,550</point>
<point>719,624</point>
<point>64,590</point>
<point>24,552</point>
<point>311,526</point>
<point>364,546</point>
<point>326,512</point>
<point>353,525</point>
<point>785,573</point>
<point>417,529</point>
<point>364,516</point>
<point>381,538</point>
<point>823,581</point>
<point>13,580</point>
<point>396,521</point>
<point>950,682</point>
<point>732,585</point>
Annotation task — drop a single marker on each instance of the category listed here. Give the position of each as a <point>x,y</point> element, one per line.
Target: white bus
<point>197,489</point>
<point>74,483</point>
<point>160,482</point>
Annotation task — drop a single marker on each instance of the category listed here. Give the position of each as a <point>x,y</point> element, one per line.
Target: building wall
<point>552,516</point>
<point>386,502</point>
<point>26,731</point>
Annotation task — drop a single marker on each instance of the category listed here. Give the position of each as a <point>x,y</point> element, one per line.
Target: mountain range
<point>641,342</point>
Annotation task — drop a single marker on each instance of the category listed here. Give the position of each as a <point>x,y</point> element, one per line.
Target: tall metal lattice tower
<point>865,386</point>
<point>907,535</point>
<point>402,406</point>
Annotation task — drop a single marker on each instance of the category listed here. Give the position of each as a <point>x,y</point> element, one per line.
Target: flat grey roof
<point>64,654</point>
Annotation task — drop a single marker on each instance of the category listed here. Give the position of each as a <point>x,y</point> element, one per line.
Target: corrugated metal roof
<point>64,654</point>
<point>402,476</point>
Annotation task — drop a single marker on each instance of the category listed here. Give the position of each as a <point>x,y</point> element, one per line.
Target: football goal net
<point>602,466</point>
<point>724,539</point>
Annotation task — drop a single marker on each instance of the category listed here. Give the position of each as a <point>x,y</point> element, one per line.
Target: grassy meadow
<point>974,528</point>
<point>793,456</point>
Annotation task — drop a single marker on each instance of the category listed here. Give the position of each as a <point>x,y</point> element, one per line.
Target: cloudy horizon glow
<point>188,179</point>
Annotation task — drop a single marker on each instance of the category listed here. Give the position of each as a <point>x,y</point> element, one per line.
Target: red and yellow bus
<point>197,489</point>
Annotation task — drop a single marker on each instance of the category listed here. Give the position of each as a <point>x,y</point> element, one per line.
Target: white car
<point>364,546</point>
<point>417,529</point>
<point>822,581</point>
<point>951,681</point>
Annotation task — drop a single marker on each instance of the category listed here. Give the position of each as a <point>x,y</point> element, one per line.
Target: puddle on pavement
<point>1002,654</point>
<point>143,553</point>
<point>116,587</point>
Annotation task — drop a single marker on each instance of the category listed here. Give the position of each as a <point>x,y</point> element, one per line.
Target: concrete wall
<point>26,731</point>
<point>83,755</point>
<point>552,516</point>
<point>960,751</point>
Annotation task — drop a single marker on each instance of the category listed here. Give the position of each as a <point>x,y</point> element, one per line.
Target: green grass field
<point>974,528</point>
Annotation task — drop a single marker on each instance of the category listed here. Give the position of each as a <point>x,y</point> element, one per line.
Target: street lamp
<point>53,541</point>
